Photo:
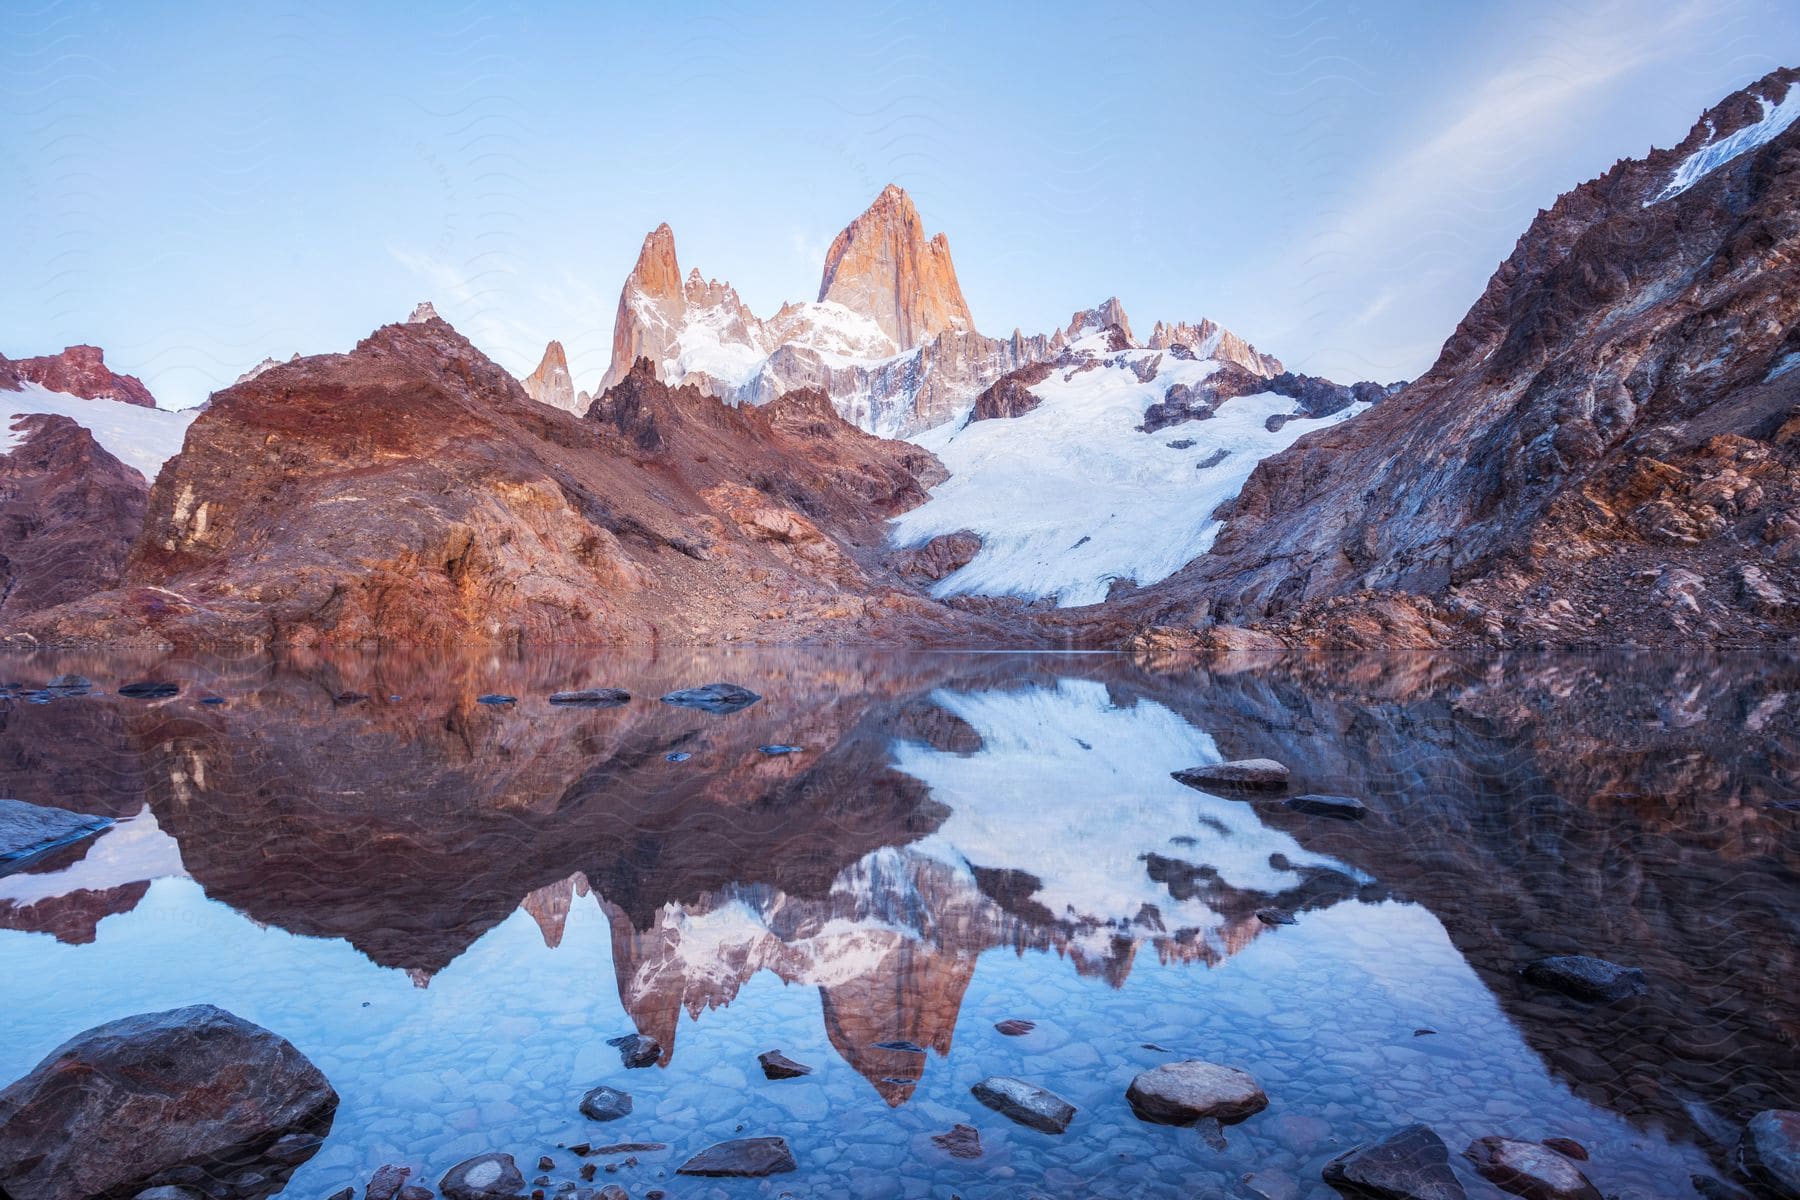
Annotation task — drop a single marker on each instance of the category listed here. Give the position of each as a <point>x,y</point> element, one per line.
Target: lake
<point>451,906</point>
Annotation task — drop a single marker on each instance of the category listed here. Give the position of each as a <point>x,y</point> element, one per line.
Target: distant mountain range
<point>1606,450</point>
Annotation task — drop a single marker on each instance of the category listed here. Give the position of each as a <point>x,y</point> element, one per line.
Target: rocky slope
<point>1606,449</point>
<point>411,490</point>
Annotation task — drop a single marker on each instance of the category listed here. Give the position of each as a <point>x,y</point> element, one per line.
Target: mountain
<point>883,267</point>
<point>1099,469</point>
<point>410,490</point>
<point>551,384</point>
<point>890,338</point>
<point>1607,448</point>
<point>77,371</point>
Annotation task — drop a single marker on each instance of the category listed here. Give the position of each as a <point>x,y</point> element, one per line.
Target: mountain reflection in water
<point>520,883</point>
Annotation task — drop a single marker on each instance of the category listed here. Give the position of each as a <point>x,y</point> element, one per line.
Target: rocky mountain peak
<point>551,383</point>
<point>77,371</point>
<point>1209,339</point>
<point>883,267</point>
<point>657,273</point>
<point>423,311</point>
<point>1096,319</point>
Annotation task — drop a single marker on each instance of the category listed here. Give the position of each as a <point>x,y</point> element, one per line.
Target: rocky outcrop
<point>30,831</point>
<point>551,383</point>
<point>1011,395</point>
<point>412,490</point>
<point>1108,314</point>
<point>882,266</point>
<point>1208,339</point>
<point>1618,405</point>
<point>69,512</point>
<point>77,371</point>
<point>1315,396</point>
<point>144,1101</point>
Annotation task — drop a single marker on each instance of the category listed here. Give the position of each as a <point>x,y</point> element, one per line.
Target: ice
<point>144,438</point>
<point>1775,120</point>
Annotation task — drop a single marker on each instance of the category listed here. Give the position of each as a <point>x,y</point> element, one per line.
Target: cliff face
<point>411,490</point>
<point>551,383</point>
<point>68,514</point>
<point>882,266</point>
<point>1605,449</point>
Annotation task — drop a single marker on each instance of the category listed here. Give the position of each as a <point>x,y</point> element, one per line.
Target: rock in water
<point>496,698</point>
<point>387,1181</point>
<point>1025,1103</point>
<point>591,698</point>
<point>777,1065</point>
<point>1411,1164</point>
<point>1347,808</point>
<point>755,1156</point>
<point>1182,1093</point>
<point>720,698</point>
<point>1275,916</point>
<point>484,1177</point>
<point>962,1141</point>
<point>1769,1151</point>
<point>149,690</point>
<point>1587,978</point>
<point>1529,1169</point>
<point>636,1050</point>
<point>1247,774</point>
<point>123,1106</point>
<point>30,831</point>
<point>1013,1027</point>
<point>605,1104</point>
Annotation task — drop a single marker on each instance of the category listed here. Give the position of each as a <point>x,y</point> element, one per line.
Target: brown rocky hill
<point>410,490</point>
<point>69,512</point>
<point>1607,449</point>
<point>77,371</point>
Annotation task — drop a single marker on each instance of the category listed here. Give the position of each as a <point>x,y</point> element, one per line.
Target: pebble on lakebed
<point>605,1104</point>
<point>742,1157</point>
<point>484,1177</point>
<point>777,1065</point>
<point>1025,1103</point>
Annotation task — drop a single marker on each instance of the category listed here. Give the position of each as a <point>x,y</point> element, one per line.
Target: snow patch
<point>1071,496</point>
<point>144,438</point>
<point>1775,120</point>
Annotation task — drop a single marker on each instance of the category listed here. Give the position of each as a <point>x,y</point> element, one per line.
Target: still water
<point>451,906</point>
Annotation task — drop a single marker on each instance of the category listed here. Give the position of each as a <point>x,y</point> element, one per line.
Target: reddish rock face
<point>410,490</point>
<point>1598,453</point>
<point>78,371</point>
<point>550,383</point>
<point>882,266</point>
<point>68,514</point>
<point>1011,395</point>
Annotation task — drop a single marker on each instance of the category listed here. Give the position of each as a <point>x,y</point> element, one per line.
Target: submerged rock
<point>1015,1027</point>
<point>150,1099</point>
<point>1181,1093</point>
<point>779,748</point>
<point>743,1157</point>
<point>387,1181</point>
<point>605,1104</point>
<point>1247,774</point>
<point>962,1141</point>
<point>1275,916</point>
<point>1410,1164</point>
<point>777,1065</point>
<point>720,698</point>
<point>591,698</point>
<point>149,690</point>
<point>636,1050</point>
<point>1025,1103</point>
<point>496,698</point>
<point>1529,1169</point>
<point>1587,978</point>
<point>1769,1151</point>
<point>1347,808</point>
<point>30,831</point>
<point>485,1177</point>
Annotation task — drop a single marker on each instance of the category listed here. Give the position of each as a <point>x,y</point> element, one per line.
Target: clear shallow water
<point>451,906</point>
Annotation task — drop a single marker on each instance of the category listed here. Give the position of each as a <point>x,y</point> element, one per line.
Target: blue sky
<point>194,186</point>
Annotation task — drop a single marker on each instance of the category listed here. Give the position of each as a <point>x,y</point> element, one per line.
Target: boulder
<point>1587,978</point>
<point>636,1050</point>
<point>387,1181</point>
<point>1247,774</point>
<point>1347,808</point>
<point>1181,1093</point>
<point>151,1099</point>
<point>720,698</point>
<point>1410,1164</point>
<point>1529,1169</point>
<point>1768,1152</point>
<point>605,1104</point>
<point>591,698</point>
<point>1013,1027</point>
<point>484,1177</point>
<point>777,1065</point>
<point>30,831</point>
<point>1025,1103</point>
<point>742,1157</point>
<point>1275,916</point>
